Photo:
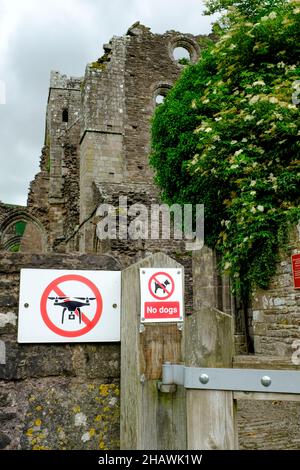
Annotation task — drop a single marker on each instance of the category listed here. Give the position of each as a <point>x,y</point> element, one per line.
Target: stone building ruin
<point>97,137</point>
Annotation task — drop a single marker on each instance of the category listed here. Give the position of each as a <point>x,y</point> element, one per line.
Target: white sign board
<point>58,306</point>
<point>161,295</point>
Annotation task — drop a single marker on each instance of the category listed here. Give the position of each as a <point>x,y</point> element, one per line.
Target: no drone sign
<point>58,306</point>
<point>161,295</point>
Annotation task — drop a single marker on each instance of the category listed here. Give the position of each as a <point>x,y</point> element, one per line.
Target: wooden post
<point>149,419</point>
<point>211,422</point>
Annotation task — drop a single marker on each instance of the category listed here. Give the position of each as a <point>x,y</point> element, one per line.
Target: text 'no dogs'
<point>161,295</point>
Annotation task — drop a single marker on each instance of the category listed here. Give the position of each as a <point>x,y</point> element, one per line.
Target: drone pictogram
<point>72,305</point>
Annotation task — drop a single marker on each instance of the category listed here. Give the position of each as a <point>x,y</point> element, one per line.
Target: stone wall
<point>55,396</point>
<point>276,312</point>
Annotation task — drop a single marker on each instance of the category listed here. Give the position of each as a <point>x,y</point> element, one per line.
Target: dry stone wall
<point>55,396</point>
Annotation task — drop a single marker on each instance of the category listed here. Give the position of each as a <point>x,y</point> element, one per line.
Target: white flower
<point>208,129</point>
<point>260,122</point>
<point>248,118</point>
<point>273,100</point>
<point>194,104</point>
<point>278,116</point>
<point>244,140</point>
<point>206,101</point>
<point>218,119</point>
<point>296,11</point>
<point>272,178</point>
<point>233,167</point>
<point>238,152</point>
<point>227,265</point>
<point>253,193</point>
<point>252,183</point>
<point>233,46</point>
<point>227,223</point>
<point>254,99</point>
<point>253,210</point>
<point>272,15</point>
<point>195,159</point>
<point>233,142</point>
<point>260,208</point>
<point>259,82</point>
<point>216,138</point>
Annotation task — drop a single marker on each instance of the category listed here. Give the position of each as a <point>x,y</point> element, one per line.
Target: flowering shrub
<point>227,135</point>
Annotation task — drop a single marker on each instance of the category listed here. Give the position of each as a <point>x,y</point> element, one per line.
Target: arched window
<point>160,93</point>
<point>182,55</point>
<point>184,51</point>
<point>65,115</point>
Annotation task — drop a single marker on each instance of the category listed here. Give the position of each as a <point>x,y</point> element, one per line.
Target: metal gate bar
<point>246,380</point>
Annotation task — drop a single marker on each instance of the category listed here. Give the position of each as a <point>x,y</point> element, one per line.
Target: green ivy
<point>227,135</point>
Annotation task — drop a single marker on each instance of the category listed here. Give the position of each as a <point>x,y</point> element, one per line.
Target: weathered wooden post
<point>150,419</point>
<point>209,343</point>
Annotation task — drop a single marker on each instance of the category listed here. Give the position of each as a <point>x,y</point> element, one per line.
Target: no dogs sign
<point>59,306</point>
<point>161,295</point>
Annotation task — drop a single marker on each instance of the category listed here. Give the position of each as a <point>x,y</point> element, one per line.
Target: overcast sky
<point>37,36</point>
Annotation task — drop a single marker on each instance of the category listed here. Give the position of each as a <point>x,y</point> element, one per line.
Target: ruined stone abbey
<point>96,149</point>
<point>96,143</point>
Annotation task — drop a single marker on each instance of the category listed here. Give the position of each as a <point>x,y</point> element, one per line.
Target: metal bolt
<point>204,379</point>
<point>142,319</point>
<point>178,272</point>
<point>180,326</point>
<point>26,305</point>
<point>143,272</point>
<point>142,328</point>
<point>115,305</point>
<point>266,381</point>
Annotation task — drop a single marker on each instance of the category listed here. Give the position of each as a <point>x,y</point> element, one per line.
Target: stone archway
<point>22,232</point>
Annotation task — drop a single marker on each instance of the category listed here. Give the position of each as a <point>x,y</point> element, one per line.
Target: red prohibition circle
<point>54,284</point>
<point>153,278</point>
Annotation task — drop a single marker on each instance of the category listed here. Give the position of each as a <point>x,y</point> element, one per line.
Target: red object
<point>158,310</point>
<point>296,270</point>
<point>54,286</point>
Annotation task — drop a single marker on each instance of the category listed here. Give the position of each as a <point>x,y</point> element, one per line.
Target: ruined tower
<point>97,139</point>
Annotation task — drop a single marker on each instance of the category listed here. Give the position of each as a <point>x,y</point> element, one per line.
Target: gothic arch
<point>21,231</point>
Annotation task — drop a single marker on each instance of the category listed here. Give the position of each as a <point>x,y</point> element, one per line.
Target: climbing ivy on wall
<point>227,135</point>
